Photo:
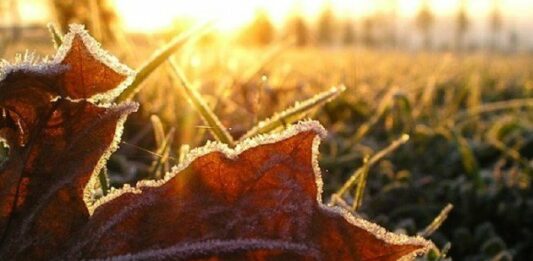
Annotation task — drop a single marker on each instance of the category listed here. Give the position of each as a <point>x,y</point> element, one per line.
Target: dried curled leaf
<point>259,201</point>
<point>58,139</point>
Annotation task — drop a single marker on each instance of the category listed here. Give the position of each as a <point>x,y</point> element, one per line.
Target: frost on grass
<point>294,113</point>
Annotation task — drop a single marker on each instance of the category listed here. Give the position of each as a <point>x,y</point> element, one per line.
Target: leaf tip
<point>93,47</point>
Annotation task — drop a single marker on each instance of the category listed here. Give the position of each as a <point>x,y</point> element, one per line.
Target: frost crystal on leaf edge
<point>30,63</point>
<point>263,139</point>
<point>99,54</point>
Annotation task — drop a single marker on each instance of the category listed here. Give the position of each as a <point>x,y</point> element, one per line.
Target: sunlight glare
<point>154,15</point>
<point>228,15</point>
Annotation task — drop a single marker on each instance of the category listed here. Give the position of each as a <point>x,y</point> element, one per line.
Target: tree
<point>260,31</point>
<point>514,40</point>
<point>462,24</point>
<point>348,36</point>
<point>424,23</point>
<point>369,38</point>
<point>297,28</point>
<point>391,15</point>
<point>326,26</point>
<point>496,24</point>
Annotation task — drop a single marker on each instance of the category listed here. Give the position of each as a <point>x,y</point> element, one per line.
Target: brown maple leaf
<point>259,201</point>
<point>59,130</point>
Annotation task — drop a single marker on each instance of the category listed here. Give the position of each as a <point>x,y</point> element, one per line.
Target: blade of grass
<point>382,107</point>
<point>368,164</point>
<point>184,149</point>
<point>103,178</point>
<point>159,57</point>
<point>437,221</point>
<point>496,134</point>
<point>468,158</point>
<point>401,116</point>
<point>297,112</point>
<point>188,120</point>
<point>159,131</point>
<point>361,185</point>
<point>426,100</point>
<point>494,107</point>
<point>340,202</point>
<point>164,152</point>
<point>386,151</point>
<point>57,36</point>
<point>216,127</point>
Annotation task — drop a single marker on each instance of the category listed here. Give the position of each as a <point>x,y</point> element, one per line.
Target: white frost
<point>99,54</point>
<point>29,62</point>
<point>216,146</point>
<point>303,126</point>
<point>297,108</point>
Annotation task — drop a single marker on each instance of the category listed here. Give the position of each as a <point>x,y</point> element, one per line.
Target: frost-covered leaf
<point>58,140</point>
<point>259,200</point>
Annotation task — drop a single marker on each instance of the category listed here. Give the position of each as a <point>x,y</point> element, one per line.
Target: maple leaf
<point>259,201</point>
<point>60,130</point>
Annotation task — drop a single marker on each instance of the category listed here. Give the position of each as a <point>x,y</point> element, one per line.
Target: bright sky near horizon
<point>233,13</point>
<point>149,15</point>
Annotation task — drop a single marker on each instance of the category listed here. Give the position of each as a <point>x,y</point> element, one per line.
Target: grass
<point>469,119</point>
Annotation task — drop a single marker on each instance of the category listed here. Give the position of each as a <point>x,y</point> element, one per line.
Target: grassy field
<point>469,118</point>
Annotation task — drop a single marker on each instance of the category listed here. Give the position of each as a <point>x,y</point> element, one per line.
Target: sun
<point>157,15</point>
<point>226,15</point>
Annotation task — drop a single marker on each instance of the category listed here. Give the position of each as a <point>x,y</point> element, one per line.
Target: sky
<point>227,15</point>
<point>231,13</point>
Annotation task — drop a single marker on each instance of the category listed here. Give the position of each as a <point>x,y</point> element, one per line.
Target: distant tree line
<point>379,29</point>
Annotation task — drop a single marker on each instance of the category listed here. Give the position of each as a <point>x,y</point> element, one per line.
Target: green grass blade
<point>103,179</point>
<point>360,188</point>
<point>217,129</point>
<point>159,57</point>
<point>496,134</point>
<point>183,151</point>
<point>494,107</point>
<point>356,177</point>
<point>468,158</point>
<point>437,221</point>
<point>297,112</point>
<point>385,103</point>
<point>156,169</point>
<point>159,131</point>
<point>57,37</point>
